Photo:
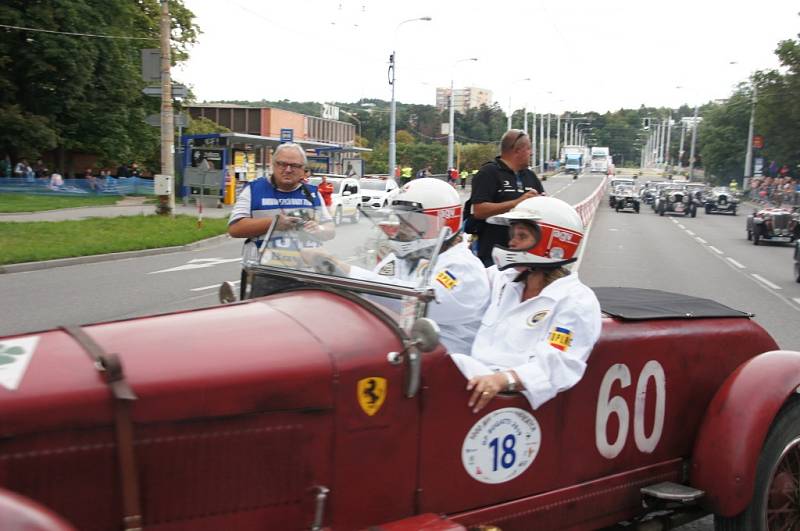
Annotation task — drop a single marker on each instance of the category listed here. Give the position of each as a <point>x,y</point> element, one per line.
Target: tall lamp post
<point>393,116</point>
<point>451,131</point>
<point>748,160</point>
<point>510,110</point>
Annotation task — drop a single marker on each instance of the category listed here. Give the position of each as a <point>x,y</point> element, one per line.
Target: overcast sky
<point>579,54</point>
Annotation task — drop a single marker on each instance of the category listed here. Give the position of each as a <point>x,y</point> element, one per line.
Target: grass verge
<point>43,240</point>
<point>10,203</point>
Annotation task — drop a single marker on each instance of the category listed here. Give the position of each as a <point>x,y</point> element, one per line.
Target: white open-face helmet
<point>417,214</point>
<point>558,232</point>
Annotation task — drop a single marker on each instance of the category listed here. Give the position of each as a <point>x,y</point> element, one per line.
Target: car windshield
<point>362,256</point>
<point>373,185</point>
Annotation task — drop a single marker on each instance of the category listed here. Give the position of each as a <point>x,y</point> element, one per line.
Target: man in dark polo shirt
<point>499,186</point>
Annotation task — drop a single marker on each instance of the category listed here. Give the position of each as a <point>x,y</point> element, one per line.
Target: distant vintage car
<point>697,192</point>
<point>612,186</point>
<point>721,199</point>
<point>779,224</point>
<point>626,198</point>
<point>331,405</point>
<point>797,260</point>
<point>676,199</point>
<point>647,194</point>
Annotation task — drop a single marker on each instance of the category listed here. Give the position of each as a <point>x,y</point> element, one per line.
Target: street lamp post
<point>510,110</point>
<point>691,148</point>
<point>393,115</point>
<point>451,134</point>
<point>748,160</point>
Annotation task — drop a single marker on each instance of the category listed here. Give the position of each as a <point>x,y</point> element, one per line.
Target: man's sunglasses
<point>520,135</point>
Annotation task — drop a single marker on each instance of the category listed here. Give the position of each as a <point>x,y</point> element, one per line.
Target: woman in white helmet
<point>416,217</point>
<point>542,322</point>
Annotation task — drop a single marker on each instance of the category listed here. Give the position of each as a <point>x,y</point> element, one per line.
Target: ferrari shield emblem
<point>371,393</point>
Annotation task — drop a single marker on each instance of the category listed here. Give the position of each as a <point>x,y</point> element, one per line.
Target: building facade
<point>268,121</point>
<point>463,98</point>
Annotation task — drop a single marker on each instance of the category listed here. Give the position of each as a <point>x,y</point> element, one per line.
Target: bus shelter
<point>215,166</point>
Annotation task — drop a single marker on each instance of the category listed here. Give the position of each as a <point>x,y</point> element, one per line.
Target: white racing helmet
<point>558,229</point>
<point>417,214</point>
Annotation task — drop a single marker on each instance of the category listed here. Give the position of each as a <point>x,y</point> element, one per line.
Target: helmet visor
<point>523,235</point>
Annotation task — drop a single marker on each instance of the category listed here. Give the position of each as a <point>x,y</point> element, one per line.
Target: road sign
<point>758,141</point>
<point>180,120</point>
<point>151,65</point>
<point>287,135</point>
<point>178,91</point>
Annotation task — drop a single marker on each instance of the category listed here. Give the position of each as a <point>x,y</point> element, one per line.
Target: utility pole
<point>167,119</point>
<point>547,155</point>
<point>748,160</point>
<point>680,151</point>
<point>669,134</point>
<point>533,139</point>
<point>541,143</point>
<point>558,136</point>
<point>691,148</point>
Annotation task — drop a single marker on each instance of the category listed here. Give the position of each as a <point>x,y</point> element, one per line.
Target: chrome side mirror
<point>227,294</point>
<point>425,333</point>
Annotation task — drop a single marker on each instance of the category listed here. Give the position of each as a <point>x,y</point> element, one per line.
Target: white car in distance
<point>377,192</point>
<point>346,197</point>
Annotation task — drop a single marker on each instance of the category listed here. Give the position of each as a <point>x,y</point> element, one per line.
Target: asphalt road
<point>707,256</point>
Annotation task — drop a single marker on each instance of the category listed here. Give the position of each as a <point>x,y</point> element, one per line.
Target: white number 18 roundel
<point>608,406</point>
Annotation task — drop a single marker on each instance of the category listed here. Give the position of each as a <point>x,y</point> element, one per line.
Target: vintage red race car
<point>329,404</point>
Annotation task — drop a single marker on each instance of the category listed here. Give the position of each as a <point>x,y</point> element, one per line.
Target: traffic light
<point>645,123</point>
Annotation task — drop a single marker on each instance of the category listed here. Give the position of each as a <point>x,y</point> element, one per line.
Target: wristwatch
<point>512,382</point>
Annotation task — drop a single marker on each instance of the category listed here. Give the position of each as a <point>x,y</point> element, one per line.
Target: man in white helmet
<point>416,217</point>
<point>542,322</point>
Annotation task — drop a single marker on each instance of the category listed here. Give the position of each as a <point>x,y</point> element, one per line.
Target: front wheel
<point>356,217</point>
<point>775,504</point>
<point>756,235</point>
<point>694,212</point>
<point>337,216</point>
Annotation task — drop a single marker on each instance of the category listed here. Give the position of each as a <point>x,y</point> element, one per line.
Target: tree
<point>80,93</point>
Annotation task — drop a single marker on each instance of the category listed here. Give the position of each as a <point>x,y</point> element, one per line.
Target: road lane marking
<point>734,262</point>
<point>715,249</point>
<point>701,240</point>
<point>690,233</point>
<point>765,281</point>
<point>797,300</point>
<point>198,263</point>
<point>680,226</point>
<point>214,286</point>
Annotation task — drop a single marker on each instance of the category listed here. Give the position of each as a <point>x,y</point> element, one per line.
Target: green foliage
<point>29,242</point>
<point>203,126</point>
<point>36,203</point>
<point>473,156</point>
<point>81,93</point>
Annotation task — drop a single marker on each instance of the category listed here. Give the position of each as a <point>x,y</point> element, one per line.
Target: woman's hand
<point>484,388</point>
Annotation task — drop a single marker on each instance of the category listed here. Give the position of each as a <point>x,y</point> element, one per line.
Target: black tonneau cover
<point>636,304</point>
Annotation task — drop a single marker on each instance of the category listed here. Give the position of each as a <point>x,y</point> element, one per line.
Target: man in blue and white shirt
<point>282,198</point>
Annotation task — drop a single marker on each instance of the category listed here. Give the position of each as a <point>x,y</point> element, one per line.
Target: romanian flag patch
<point>560,338</point>
<point>446,279</point>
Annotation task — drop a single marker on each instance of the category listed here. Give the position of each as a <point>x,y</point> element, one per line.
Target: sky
<point>574,55</point>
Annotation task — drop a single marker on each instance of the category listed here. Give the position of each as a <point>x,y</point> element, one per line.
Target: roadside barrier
<point>588,206</point>
<point>71,187</point>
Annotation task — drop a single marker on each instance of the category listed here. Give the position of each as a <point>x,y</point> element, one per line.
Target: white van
<point>346,197</point>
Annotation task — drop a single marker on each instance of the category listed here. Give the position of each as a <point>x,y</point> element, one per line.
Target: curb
<point>77,260</point>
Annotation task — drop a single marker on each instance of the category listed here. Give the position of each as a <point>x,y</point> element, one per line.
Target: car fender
<point>735,426</point>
